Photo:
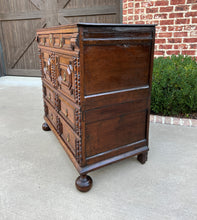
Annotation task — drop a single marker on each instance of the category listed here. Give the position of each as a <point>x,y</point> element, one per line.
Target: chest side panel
<point>117,81</point>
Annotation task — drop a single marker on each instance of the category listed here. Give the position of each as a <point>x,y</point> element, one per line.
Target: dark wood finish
<point>96,88</point>
<point>19,20</point>
<point>83,183</point>
<point>142,158</point>
<point>45,127</point>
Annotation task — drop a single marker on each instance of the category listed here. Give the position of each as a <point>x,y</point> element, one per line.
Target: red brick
<point>193,46</point>
<point>188,52</point>
<point>136,17</point>
<point>130,11</point>
<point>165,46</point>
<point>137,5</point>
<point>170,52</point>
<point>174,40</point>
<point>161,28</point>
<point>181,46</point>
<point>167,120</point>
<point>161,3</point>
<point>151,10</point>
<point>191,14</point>
<point>157,53</point>
<point>124,12</point>
<point>175,28</point>
<point>139,11</point>
<point>139,22</point>
<point>194,20</point>
<point>180,34</point>
<point>177,2</point>
<point>194,122</point>
<point>167,22</point>
<point>124,19</point>
<point>190,40</point>
<point>147,4</point>
<point>182,21</point>
<point>160,41</point>
<point>130,18</point>
<point>194,7</point>
<point>149,16</point>
<point>124,6</point>
<point>165,34</point>
<point>158,119</point>
<point>130,5</point>
<point>160,16</point>
<point>166,9</point>
<point>182,8</point>
<point>176,121</point>
<point>191,1</point>
<point>176,15</point>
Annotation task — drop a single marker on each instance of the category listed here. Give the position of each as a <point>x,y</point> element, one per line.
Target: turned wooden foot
<point>45,127</point>
<point>83,183</point>
<point>142,158</point>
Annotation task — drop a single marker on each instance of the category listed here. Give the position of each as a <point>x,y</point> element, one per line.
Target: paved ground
<point>37,178</point>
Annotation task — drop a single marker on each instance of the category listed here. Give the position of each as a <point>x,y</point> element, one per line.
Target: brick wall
<point>176,32</point>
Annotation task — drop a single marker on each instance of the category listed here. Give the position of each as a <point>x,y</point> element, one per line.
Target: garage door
<point>20,19</point>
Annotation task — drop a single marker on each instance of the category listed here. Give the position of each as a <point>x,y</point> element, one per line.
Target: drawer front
<point>48,67</point>
<point>67,111</point>
<point>50,113</point>
<point>67,41</point>
<point>69,136</point>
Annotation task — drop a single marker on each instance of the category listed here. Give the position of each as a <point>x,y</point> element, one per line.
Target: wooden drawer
<point>67,76</point>
<point>68,136</point>
<point>49,95</point>
<point>50,113</point>
<point>67,41</point>
<point>68,112</point>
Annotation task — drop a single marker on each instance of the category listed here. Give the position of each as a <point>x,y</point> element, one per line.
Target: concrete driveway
<point>37,178</point>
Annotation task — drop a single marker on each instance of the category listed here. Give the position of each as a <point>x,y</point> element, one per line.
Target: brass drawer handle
<point>68,138</point>
<point>66,113</point>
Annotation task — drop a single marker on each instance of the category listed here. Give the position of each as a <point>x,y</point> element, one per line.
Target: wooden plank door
<point>19,20</point>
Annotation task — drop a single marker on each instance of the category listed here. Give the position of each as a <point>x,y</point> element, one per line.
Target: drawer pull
<point>50,38</point>
<point>52,116</point>
<point>61,42</point>
<point>68,138</point>
<point>49,96</point>
<point>66,113</point>
<point>64,77</point>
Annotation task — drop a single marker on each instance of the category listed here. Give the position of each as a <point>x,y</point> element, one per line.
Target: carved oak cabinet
<point>96,90</point>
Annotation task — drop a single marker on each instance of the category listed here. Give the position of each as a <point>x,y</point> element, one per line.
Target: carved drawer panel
<point>50,95</point>
<point>68,136</point>
<point>68,77</point>
<point>67,111</point>
<point>68,41</point>
<point>50,113</point>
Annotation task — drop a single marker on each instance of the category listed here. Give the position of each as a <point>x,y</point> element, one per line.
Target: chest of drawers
<point>96,90</point>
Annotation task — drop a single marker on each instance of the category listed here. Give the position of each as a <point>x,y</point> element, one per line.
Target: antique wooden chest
<point>96,90</point>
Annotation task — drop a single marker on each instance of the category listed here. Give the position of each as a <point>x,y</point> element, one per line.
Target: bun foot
<point>83,183</point>
<point>45,127</point>
<point>142,158</point>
